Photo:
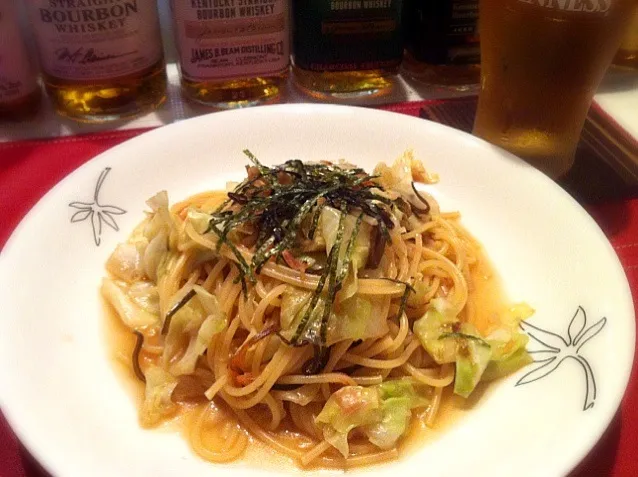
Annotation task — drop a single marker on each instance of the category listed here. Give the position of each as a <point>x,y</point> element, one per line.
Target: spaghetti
<point>313,307</point>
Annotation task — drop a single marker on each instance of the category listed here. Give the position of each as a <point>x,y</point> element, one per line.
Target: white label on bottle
<point>96,39</point>
<point>17,77</point>
<point>223,39</point>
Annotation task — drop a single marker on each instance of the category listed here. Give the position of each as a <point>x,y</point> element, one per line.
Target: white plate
<point>65,401</point>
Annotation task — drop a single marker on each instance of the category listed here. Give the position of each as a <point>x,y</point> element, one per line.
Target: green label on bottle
<point>347,35</point>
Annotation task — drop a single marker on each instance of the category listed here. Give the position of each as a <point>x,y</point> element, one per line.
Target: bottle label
<point>347,35</point>
<point>444,33</point>
<point>96,39</point>
<point>224,39</point>
<point>17,77</point>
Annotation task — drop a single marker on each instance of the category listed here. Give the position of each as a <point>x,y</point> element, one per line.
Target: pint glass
<point>627,56</point>
<point>542,61</point>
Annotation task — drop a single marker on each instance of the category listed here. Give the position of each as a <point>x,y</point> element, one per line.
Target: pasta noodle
<point>312,307</point>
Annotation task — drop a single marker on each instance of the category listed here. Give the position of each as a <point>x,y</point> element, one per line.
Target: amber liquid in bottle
<point>101,61</point>
<point>442,45</point>
<point>451,77</point>
<point>235,93</point>
<point>111,99</point>
<point>346,50</point>
<point>232,54</point>
<point>345,84</point>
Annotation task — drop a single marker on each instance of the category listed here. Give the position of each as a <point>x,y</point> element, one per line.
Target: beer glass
<point>627,56</point>
<point>542,61</point>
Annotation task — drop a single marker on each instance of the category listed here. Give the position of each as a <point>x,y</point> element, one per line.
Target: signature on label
<point>84,56</point>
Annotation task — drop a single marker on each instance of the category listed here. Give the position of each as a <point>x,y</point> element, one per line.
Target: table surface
<point>45,162</point>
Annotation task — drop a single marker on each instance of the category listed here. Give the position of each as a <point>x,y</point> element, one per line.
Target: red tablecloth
<point>29,169</point>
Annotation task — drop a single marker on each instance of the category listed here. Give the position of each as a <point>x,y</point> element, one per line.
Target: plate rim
<point>40,454</point>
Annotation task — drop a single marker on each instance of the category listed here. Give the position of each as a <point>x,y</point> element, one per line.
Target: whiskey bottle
<point>346,48</point>
<point>101,60</point>
<point>20,94</point>
<point>233,53</point>
<point>442,43</point>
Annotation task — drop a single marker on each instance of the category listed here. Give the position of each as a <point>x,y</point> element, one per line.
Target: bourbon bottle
<point>233,53</point>
<point>102,60</point>
<point>20,94</point>
<point>347,48</point>
<point>442,43</point>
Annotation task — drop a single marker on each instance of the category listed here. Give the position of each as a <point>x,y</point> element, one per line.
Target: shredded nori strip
<point>237,360</point>
<point>277,207</point>
<point>315,221</point>
<point>422,199</point>
<point>378,241</point>
<point>331,268</point>
<point>334,278</point>
<point>404,300</point>
<point>276,201</point>
<point>319,361</point>
<point>178,306</point>
<point>399,282</point>
<point>350,248</point>
<point>136,356</point>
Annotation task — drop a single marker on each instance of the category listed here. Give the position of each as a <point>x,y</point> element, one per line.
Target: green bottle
<point>442,43</point>
<point>346,48</point>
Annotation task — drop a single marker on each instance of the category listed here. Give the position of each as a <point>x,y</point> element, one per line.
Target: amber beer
<point>627,56</point>
<point>542,61</point>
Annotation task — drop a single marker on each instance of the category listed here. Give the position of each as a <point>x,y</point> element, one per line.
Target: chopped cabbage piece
<point>430,328</point>
<point>508,343</point>
<point>396,416</point>
<point>155,253</point>
<point>199,220</point>
<point>382,413</point>
<point>349,407</point>
<point>200,319</point>
<point>358,317</point>
<point>133,316</point>
<point>159,204</point>
<point>145,295</point>
<point>329,224</point>
<point>125,263</point>
<point>439,334</point>
<point>508,339</point>
<point>447,340</point>
<point>157,397</point>
<point>399,177</point>
<point>471,361</point>
<point>507,366</point>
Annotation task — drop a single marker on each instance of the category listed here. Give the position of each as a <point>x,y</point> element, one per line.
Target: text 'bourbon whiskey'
<point>101,59</point>
<point>233,53</point>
